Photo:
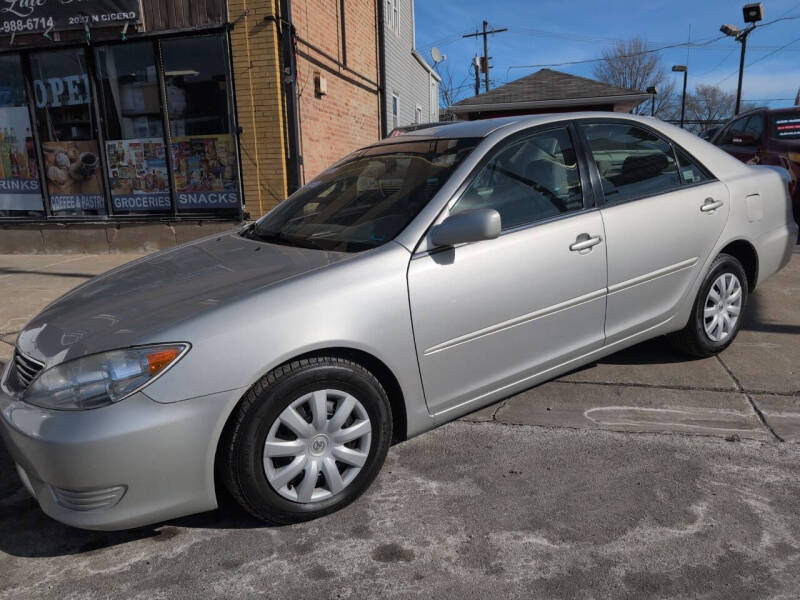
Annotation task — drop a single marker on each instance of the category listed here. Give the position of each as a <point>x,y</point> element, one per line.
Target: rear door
<point>662,213</point>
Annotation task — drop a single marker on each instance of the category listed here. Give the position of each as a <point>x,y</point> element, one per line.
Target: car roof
<point>484,127</point>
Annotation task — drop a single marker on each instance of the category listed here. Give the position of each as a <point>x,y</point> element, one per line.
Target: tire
<point>695,339</point>
<point>253,475</point>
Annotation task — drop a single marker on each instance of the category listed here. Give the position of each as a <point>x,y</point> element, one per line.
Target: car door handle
<point>710,205</point>
<point>584,241</point>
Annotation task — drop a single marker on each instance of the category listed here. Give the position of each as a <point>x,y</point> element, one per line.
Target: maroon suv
<point>766,137</point>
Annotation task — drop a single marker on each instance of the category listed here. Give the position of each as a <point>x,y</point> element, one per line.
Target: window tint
<point>632,161</point>
<point>733,130</point>
<point>529,180</point>
<point>691,172</point>
<point>755,127</point>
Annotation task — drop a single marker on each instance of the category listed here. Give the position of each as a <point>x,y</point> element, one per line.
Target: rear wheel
<point>307,440</point>
<point>717,312</point>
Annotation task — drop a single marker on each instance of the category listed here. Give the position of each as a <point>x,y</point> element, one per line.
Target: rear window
<point>786,126</point>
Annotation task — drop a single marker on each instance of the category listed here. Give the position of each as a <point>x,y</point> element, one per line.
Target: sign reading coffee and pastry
<point>31,16</point>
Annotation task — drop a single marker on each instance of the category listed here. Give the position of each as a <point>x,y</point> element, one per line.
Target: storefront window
<point>133,129</point>
<point>20,190</point>
<point>63,101</point>
<point>201,141</point>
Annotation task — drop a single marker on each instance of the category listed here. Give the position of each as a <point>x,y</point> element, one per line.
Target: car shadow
<point>26,532</point>
<point>756,318</point>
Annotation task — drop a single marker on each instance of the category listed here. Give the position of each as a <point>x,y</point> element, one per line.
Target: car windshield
<point>365,200</point>
<point>786,125</point>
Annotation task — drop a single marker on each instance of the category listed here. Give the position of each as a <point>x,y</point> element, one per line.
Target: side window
<point>691,172</point>
<point>735,129</point>
<point>755,128</point>
<point>632,161</point>
<point>528,180</point>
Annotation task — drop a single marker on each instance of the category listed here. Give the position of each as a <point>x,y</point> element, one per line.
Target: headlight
<point>101,379</point>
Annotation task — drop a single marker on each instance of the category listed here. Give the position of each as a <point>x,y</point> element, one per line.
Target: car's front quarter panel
<point>359,304</point>
<point>159,453</point>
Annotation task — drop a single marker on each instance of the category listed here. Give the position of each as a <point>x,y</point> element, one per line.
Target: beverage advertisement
<point>137,174</point>
<point>74,181</point>
<point>19,172</point>
<point>205,172</point>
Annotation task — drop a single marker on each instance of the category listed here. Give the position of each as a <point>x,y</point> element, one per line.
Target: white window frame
<point>395,111</point>
<point>396,16</point>
<point>417,114</point>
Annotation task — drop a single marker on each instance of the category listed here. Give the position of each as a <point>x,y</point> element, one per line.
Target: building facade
<point>411,85</point>
<point>119,114</point>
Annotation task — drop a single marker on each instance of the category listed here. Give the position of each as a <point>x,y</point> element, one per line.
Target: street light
<point>653,91</point>
<point>752,13</point>
<point>682,69</point>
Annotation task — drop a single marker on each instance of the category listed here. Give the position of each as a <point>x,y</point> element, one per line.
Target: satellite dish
<point>436,55</point>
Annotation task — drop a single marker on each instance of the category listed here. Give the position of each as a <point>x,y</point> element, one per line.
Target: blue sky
<point>548,31</point>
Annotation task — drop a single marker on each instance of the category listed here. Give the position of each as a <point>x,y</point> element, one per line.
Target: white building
<point>411,86</point>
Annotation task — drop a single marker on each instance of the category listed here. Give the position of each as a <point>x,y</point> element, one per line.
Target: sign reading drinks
<point>30,16</point>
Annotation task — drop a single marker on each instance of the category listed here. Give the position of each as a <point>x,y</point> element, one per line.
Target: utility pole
<point>485,60</point>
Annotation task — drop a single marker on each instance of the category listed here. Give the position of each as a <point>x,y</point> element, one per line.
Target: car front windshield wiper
<point>278,237</point>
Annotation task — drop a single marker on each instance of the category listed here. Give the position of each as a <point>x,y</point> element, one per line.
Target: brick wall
<point>259,104</point>
<point>347,117</point>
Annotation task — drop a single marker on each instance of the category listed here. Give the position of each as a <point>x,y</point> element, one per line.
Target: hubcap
<point>722,307</point>
<point>317,446</point>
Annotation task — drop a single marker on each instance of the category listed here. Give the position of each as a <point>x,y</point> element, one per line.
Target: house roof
<point>548,87</point>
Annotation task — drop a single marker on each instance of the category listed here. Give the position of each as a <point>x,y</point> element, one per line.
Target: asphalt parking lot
<point>643,475</point>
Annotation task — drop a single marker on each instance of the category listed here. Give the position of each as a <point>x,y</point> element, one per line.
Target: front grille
<point>26,369</point>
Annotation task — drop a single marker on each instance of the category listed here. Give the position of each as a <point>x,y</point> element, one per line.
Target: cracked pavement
<point>644,474</point>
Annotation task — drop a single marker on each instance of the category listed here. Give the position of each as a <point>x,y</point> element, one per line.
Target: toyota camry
<point>414,281</point>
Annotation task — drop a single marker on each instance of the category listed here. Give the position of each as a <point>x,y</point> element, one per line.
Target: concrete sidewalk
<point>644,474</point>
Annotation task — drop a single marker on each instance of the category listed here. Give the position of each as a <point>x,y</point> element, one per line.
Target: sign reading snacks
<point>205,171</point>
<point>31,16</point>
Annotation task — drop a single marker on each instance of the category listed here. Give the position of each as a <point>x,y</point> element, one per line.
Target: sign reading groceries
<point>31,16</point>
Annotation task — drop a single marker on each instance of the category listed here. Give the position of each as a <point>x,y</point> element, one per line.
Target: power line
<point>766,56</point>
<point>591,60</point>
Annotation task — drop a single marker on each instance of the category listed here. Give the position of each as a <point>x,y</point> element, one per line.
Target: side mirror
<point>468,226</point>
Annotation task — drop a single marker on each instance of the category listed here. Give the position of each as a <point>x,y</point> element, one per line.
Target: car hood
<point>131,304</point>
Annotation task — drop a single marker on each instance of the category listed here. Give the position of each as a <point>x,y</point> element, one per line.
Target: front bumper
<point>133,463</point>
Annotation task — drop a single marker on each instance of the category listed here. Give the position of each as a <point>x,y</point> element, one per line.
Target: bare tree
<point>451,89</point>
<point>710,103</point>
<point>629,65</point>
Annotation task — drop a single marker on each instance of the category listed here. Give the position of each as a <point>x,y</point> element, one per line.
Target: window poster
<point>74,181</point>
<point>19,172</point>
<point>205,172</point>
<point>137,173</point>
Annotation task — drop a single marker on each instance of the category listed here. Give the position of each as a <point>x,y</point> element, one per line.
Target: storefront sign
<point>19,176</point>
<point>137,172</point>
<point>29,16</point>
<point>74,179</point>
<point>205,172</point>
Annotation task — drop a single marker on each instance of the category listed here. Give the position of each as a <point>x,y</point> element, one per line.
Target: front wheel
<point>307,440</point>
<point>717,312</point>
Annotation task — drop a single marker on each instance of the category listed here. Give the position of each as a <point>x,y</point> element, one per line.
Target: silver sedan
<point>416,280</point>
